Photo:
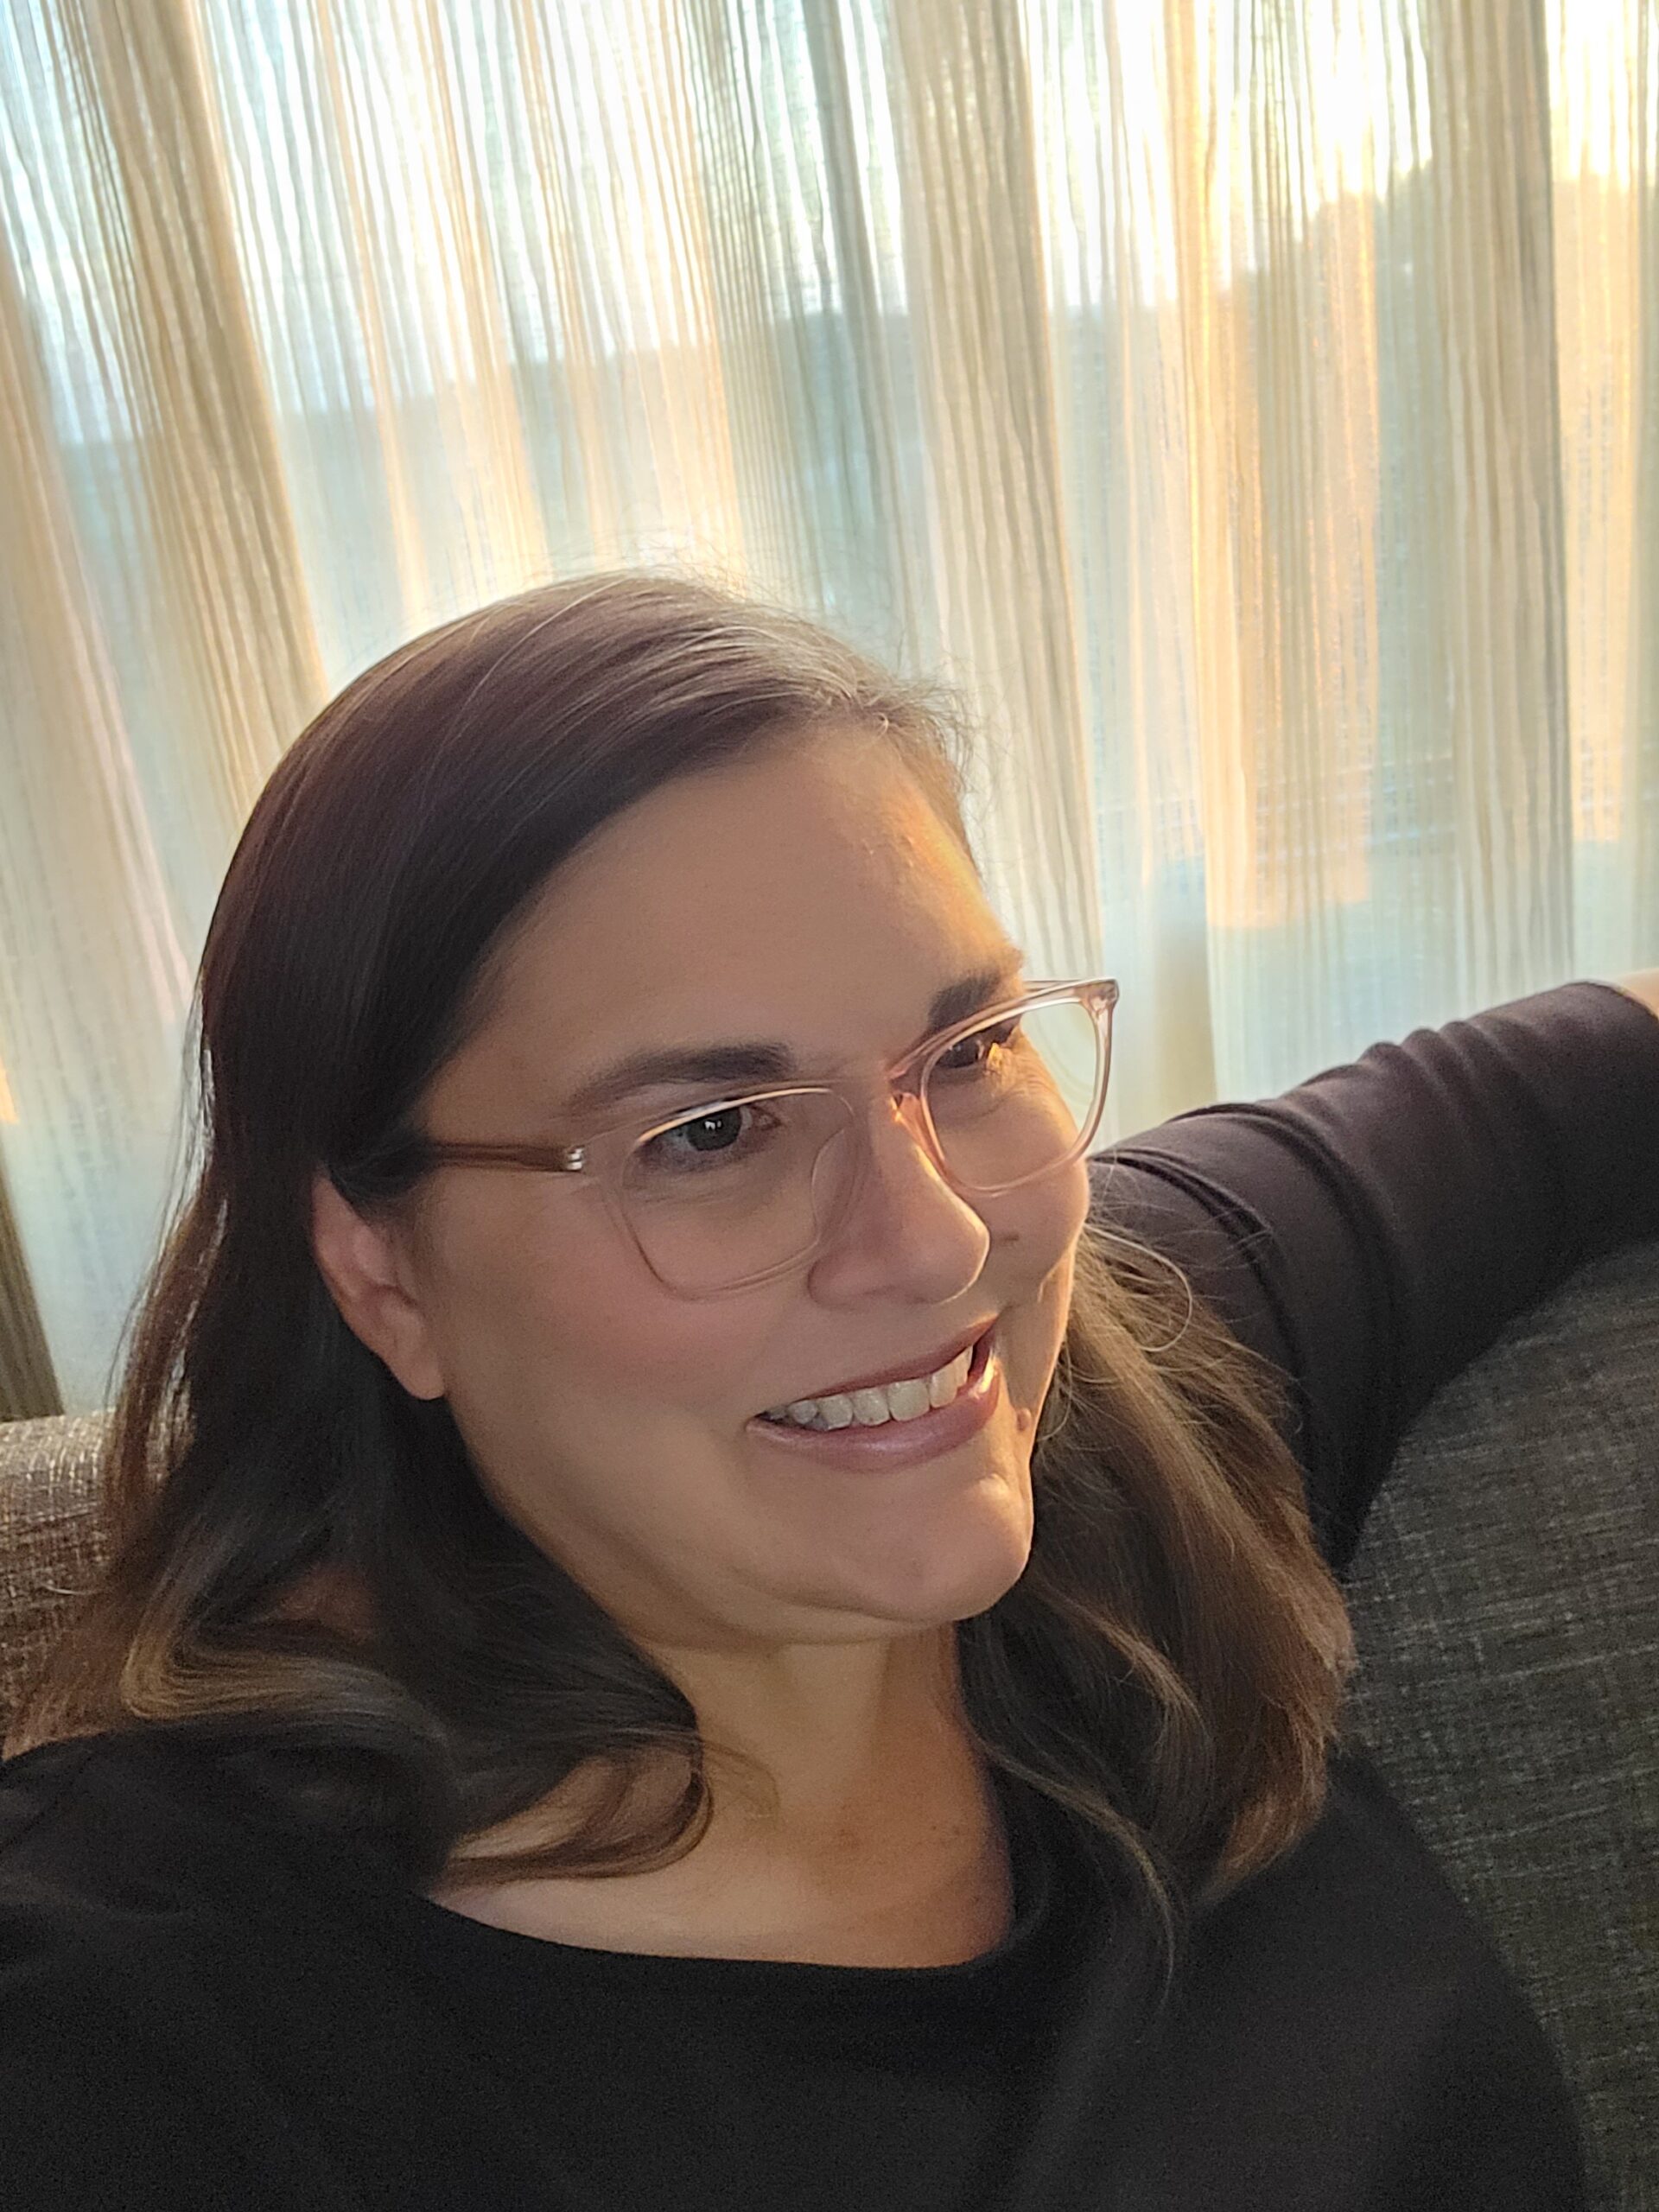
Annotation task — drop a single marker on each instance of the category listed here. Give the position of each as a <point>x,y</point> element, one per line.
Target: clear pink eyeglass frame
<point>602,1154</point>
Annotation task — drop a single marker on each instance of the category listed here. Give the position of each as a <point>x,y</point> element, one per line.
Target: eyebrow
<point>762,1060</point>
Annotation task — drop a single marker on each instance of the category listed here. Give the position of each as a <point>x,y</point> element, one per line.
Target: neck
<point>814,1745</point>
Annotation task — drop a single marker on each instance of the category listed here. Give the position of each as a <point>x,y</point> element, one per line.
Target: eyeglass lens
<point>726,1196</point>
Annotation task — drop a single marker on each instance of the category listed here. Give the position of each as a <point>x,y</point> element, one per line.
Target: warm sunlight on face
<point>813,896</point>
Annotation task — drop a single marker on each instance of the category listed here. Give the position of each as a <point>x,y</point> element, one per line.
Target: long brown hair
<point>1168,1669</point>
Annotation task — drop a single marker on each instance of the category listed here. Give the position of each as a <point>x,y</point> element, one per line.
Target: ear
<point>364,1268</point>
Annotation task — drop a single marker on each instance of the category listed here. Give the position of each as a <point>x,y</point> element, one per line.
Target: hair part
<point>1168,1668</point>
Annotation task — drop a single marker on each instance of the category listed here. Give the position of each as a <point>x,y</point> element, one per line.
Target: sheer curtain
<point>1250,405</point>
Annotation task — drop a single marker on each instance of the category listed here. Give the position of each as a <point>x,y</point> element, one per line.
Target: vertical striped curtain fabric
<point>1252,407</point>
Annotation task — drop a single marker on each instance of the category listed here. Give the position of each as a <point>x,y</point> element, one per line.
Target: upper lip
<point>924,1364</point>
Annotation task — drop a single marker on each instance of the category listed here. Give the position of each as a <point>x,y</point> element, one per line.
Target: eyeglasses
<point>746,1188</point>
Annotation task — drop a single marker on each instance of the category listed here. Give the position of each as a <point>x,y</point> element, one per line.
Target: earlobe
<point>359,1262</point>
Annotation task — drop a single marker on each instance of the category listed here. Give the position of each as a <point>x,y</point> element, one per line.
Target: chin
<point>967,1568</point>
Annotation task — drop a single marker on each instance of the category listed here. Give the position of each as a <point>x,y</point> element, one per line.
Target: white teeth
<point>904,1401</point>
<point>943,1386</point>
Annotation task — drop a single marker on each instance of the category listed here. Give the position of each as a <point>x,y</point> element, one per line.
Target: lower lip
<point>894,1444</point>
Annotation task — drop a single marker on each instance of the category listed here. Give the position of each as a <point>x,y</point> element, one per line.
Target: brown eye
<point>706,1142</point>
<point>982,1044</point>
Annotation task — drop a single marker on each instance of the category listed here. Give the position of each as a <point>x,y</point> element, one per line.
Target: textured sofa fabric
<point>1504,1600</point>
<point>50,1542</point>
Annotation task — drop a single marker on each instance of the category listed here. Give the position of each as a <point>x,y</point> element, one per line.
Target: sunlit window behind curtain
<point>1250,407</point>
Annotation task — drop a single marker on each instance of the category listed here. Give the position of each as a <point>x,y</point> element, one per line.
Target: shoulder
<point>150,1841</point>
<point>102,2013</point>
<point>194,2008</point>
<point>70,1810</point>
<point>144,1925</point>
<point>92,1879</point>
<point>132,2081</point>
<point>130,1845</point>
<point>52,1801</point>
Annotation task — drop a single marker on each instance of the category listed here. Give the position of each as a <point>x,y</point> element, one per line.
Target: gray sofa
<point>1504,1603</point>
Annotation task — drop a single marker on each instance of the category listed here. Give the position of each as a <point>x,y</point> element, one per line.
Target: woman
<point>556,1730</point>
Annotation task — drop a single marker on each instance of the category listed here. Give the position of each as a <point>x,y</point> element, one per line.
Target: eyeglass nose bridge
<point>904,1085</point>
<point>903,1090</point>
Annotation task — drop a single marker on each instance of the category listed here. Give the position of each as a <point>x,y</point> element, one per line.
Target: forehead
<point>816,877</point>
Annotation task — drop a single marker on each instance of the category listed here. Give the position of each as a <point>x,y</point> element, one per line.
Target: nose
<point>901,1215</point>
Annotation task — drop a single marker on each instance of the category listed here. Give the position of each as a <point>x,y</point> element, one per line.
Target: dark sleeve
<point>1374,1229</point>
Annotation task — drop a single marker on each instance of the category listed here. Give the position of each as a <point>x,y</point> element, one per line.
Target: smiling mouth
<point>892,1443</point>
<point>973,1354</point>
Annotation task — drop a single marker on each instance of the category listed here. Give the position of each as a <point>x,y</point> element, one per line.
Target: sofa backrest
<point>51,1541</point>
<point>1503,1597</point>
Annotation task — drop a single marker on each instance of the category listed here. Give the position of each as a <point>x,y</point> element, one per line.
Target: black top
<point>201,2007</point>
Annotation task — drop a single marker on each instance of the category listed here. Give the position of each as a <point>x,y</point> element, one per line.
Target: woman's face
<point>810,895</point>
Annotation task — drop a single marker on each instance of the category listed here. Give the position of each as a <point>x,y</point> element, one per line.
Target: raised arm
<point>1375,1229</point>
<point>1643,987</point>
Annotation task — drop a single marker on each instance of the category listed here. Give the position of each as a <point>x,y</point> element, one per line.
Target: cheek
<point>560,1336</point>
<point>563,1335</point>
<point>1051,1228</point>
<point>1057,1223</point>
<point>1075,1194</point>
